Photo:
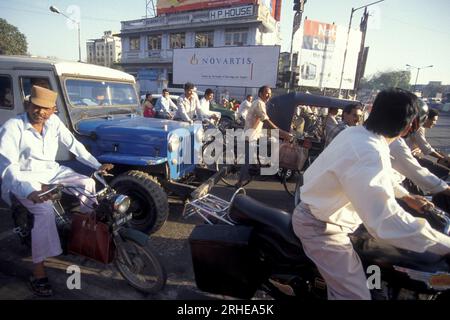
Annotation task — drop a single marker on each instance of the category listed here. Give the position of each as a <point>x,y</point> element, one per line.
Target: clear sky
<point>401,32</point>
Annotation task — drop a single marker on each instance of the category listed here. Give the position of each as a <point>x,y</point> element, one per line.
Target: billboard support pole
<point>346,44</point>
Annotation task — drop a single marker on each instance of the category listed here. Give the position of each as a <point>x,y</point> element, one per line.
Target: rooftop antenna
<point>150,9</point>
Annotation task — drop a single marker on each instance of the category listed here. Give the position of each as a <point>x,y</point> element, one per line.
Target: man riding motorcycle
<point>408,166</point>
<point>350,184</point>
<point>28,147</point>
<point>421,148</point>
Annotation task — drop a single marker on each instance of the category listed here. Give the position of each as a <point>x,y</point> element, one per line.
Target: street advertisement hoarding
<point>251,66</point>
<point>173,6</point>
<point>322,55</point>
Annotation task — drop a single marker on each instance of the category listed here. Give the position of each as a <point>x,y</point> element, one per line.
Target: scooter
<point>246,246</point>
<point>130,252</point>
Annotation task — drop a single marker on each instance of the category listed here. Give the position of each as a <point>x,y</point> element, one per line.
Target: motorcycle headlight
<point>121,204</point>
<point>174,143</point>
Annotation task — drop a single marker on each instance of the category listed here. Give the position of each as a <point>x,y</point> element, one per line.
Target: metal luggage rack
<point>211,207</point>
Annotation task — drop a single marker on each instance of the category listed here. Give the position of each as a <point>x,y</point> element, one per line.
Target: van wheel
<point>149,203</point>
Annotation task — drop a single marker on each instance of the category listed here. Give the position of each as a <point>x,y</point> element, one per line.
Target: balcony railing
<point>182,18</point>
<point>161,56</point>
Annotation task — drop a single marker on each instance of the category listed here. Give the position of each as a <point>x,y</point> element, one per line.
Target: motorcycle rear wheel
<point>145,273</point>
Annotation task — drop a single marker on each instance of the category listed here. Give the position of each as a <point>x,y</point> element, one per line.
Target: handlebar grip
<point>52,190</point>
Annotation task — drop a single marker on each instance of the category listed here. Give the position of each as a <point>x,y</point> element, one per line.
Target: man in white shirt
<point>205,113</point>
<point>420,148</point>
<point>188,105</point>
<point>350,183</point>
<point>256,118</point>
<point>244,107</point>
<point>407,166</point>
<point>164,106</point>
<point>28,147</point>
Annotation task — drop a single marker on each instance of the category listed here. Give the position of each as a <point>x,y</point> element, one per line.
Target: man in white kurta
<point>407,166</point>
<point>244,107</point>
<point>205,104</point>
<point>188,105</point>
<point>351,183</point>
<point>420,148</point>
<point>28,147</point>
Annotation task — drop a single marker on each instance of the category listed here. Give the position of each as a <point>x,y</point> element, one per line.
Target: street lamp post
<point>57,11</point>
<point>348,36</point>
<point>417,75</point>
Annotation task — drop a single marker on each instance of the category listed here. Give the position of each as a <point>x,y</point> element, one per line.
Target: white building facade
<point>148,44</point>
<point>104,51</point>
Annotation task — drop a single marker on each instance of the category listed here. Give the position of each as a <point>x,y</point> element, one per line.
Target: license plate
<point>125,219</point>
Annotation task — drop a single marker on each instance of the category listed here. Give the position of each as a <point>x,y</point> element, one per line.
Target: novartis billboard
<point>250,67</point>
<point>322,54</point>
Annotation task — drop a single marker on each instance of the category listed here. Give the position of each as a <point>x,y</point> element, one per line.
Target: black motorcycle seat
<point>373,251</point>
<point>248,211</point>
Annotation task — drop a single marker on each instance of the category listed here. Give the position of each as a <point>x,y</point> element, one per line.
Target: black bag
<point>224,261</point>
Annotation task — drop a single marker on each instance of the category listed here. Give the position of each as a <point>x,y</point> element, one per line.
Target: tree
<point>389,79</point>
<point>12,41</point>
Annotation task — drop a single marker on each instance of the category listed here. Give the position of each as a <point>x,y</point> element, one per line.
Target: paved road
<point>104,282</point>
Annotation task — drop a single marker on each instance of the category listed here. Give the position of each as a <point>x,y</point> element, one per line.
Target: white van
<point>19,73</point>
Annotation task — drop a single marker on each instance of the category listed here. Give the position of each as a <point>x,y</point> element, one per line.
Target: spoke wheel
<point>141,268</point>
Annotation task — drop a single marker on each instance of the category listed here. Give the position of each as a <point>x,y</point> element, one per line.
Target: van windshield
<point>92,93</point>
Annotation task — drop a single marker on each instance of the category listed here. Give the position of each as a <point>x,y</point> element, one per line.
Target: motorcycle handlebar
<point>98,175</point>
<point>57,188</point>
<point>53,189</point>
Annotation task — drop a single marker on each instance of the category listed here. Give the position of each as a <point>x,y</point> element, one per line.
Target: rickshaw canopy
<point>281,108</point>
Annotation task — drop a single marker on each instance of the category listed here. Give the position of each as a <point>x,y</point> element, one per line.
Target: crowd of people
<point>357,179</point>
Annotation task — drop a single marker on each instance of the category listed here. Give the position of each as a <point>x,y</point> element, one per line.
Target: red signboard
<point>172,6</point>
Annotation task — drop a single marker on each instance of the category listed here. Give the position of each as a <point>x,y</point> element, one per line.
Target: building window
<point>204,39</point>
<point>177,40</point>
<point>135,43</point>
<point>236,37</point>
<point>154,42</point>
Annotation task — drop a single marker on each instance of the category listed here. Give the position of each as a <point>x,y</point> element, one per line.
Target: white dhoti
<point>45,241</point>
<point>330,248</point>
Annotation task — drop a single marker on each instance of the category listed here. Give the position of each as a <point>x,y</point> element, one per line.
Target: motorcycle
<point>131,251</point>
<point>246,246</point>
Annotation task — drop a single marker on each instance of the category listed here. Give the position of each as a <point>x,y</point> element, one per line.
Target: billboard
<point>171,6</point>
<point>322,55</point>
<point>250,67</point>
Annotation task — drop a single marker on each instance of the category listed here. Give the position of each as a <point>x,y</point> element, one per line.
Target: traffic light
<point>299,5</point>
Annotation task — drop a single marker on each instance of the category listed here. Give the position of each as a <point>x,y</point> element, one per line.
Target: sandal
<point>40,287</point>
